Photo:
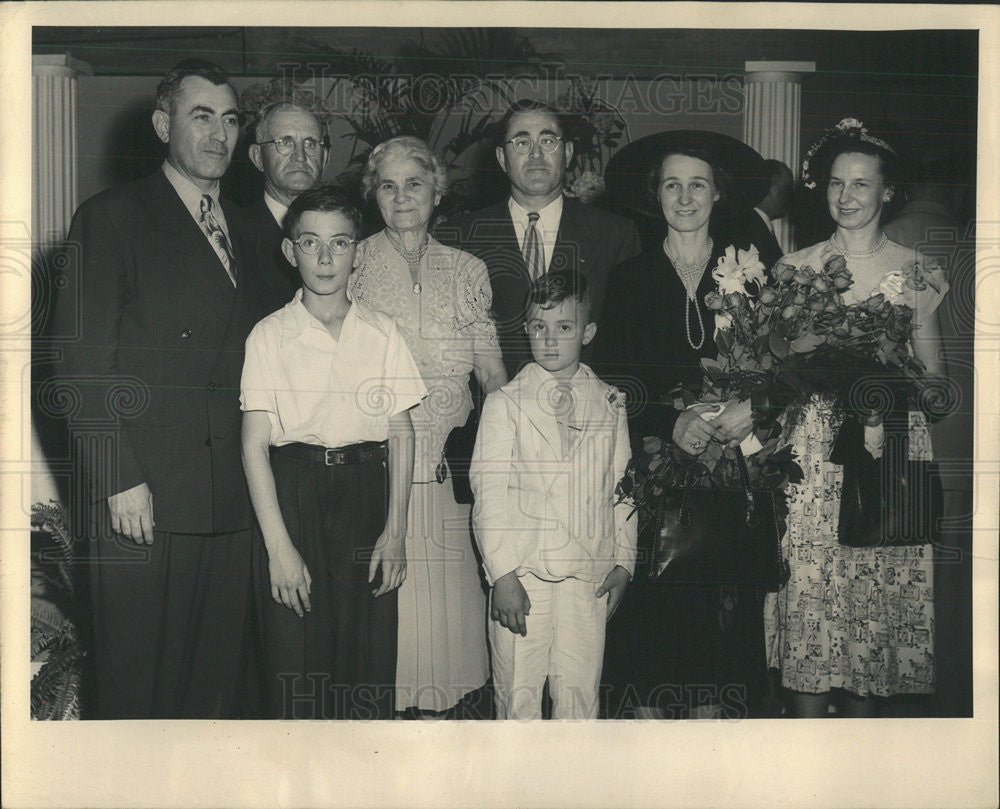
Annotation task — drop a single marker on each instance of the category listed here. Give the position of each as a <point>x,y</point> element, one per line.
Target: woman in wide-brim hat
<point>654,332</point>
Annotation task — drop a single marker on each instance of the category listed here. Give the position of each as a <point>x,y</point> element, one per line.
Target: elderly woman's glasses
<point>310,244</point>
<point>522,144</point>
<point>287,144</point>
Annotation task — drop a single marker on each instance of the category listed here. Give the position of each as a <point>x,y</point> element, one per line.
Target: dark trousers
<point>169,624</point>
<point>339,660</point>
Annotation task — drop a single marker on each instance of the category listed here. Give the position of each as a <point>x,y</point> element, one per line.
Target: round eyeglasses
<point>522,144</point>
<point>310,245</point>
<point>288,144</point>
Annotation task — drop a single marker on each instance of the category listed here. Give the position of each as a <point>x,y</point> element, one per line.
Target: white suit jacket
<point>540,512</point>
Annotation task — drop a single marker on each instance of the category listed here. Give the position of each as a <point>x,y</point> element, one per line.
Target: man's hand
<point>692,433</point>
<point>391,554</point>
<point>511,603</point>
<point>614,585</point>
<point>290,579</point>
<point>736,421</point>
<point>132,514</point>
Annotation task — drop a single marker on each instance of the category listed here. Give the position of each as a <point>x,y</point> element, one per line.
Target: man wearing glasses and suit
<point>165,287</point>
<point>290,149</point>
<point>537,229</point>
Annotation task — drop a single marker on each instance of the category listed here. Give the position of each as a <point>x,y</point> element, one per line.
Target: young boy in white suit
<point>558,552</point>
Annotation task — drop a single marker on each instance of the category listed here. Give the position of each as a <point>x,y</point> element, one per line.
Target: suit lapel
<point>174,231</point>
<point>567,252</point>
<point>543,422</point>
<point>592,413</point>
<point>508,274</point>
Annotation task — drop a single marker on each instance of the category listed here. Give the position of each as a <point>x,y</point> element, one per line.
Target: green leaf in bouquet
<point>712,368</point>
<point>806,343</point>
<point>724,341</point>
<point>779,345</point>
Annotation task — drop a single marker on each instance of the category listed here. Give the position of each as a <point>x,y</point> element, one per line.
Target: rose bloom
<point>842,282</point>
<point>820,284</point>
<point>802,277</point>
<point>768,296</point>
<point>874,303</point>
<point>789,311</point>
<point>713,300</point>
<point>784,272</point>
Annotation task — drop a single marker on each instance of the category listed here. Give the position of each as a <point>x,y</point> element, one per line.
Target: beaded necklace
<point>690,275</point>
<point>870,253</point>
<point>413,259</point>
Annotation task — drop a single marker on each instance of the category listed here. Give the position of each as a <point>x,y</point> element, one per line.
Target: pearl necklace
<point>413,259</point>
<point>690,275</point>
<point>874,251</point>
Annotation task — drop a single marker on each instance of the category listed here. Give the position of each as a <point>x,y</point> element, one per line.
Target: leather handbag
<point>708,537</point>
<point>888,501</point>
<point>458,449</point>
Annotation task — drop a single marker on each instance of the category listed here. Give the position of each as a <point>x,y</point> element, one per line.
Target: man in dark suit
<point>536,228</point>
<point>166,288</point>
<point>290,149</point>
<point>756,226</point>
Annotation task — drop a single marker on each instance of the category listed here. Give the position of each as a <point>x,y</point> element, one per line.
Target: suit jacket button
<point>211,387</point>
<point>208,441</point>
<point>186,333</point>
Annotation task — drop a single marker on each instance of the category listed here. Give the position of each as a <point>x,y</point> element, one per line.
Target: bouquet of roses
<point>797,339</point>
<point>744,366</point>
<point>781,342</point>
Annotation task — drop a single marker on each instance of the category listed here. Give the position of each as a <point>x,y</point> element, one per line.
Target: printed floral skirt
<point>860,619</point>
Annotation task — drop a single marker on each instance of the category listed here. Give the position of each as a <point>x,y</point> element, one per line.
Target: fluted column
<point>53,162</point>
<point>53,200</point>
<point>772,119</point>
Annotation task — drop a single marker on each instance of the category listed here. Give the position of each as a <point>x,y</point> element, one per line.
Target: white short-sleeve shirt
<point>327,392</point>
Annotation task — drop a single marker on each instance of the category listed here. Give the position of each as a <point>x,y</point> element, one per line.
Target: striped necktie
<point>217,236</point>
<point>532,250</point>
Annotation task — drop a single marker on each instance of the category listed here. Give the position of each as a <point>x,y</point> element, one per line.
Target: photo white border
<point>898,762</point>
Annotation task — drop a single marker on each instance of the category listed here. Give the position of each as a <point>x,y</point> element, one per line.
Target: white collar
<point>766,218</point>
<point>277,210</point>
<point>548,217</point>
<point>189,193</point>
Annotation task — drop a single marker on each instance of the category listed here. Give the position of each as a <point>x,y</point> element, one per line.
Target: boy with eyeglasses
<point>328,454</point>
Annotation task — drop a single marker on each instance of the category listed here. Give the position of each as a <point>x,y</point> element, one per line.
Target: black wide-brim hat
<point>627,172</point>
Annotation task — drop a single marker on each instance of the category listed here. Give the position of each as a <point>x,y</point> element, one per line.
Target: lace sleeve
<point>476,298</point>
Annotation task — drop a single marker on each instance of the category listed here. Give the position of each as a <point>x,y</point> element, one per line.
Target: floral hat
<point>628,169</point>
<point>846,129</point>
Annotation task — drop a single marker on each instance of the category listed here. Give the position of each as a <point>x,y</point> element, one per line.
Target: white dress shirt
<point>327,392</point>
<point>547,225</point>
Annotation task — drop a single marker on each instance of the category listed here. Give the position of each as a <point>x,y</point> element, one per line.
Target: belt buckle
<point>326,457</point>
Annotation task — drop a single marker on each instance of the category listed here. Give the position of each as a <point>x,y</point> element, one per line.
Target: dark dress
<point>669,646</point>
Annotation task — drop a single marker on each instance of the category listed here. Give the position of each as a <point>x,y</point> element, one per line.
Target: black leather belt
<point>337,456</point>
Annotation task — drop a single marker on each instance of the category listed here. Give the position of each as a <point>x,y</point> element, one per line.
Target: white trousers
<point>564,643</point>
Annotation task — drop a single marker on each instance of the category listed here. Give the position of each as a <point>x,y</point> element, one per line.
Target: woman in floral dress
<point>858,622</point>
<point>440,297</point>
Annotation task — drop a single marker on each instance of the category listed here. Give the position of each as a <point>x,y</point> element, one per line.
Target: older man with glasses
<point>290,149</point>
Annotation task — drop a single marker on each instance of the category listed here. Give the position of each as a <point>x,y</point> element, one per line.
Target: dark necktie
<point>217,236</point>
<point>532,250</point>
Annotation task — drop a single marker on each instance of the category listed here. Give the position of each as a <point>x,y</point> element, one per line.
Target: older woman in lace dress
<point>440,298</point>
